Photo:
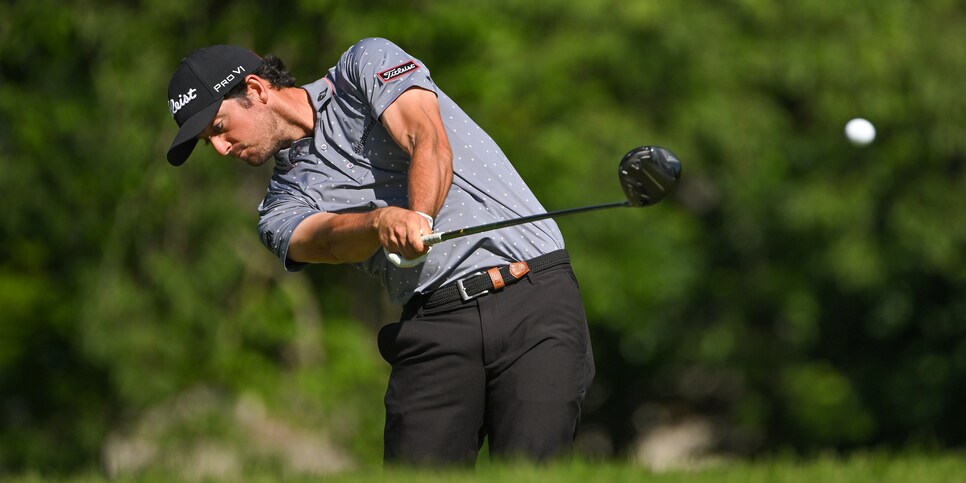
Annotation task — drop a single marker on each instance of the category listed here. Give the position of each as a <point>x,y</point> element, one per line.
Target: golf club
<point>648,174</point>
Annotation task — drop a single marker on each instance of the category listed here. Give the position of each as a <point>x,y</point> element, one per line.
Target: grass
<point>950,467</point>
<point>864,467</point>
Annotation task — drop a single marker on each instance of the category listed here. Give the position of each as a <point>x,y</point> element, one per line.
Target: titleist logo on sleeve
<point>394,72</point>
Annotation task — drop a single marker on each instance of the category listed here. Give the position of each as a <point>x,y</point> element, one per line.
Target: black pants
<point>512,366</point>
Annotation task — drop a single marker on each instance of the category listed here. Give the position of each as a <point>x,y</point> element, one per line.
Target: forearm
<point>331,238</point>
<point>354,237</point>
<point>414,122</point>
<point>430,176</point>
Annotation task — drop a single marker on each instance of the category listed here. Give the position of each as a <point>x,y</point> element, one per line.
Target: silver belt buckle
<point>462,289</point>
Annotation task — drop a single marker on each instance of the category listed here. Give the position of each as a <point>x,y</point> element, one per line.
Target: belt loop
<point>496,278</point>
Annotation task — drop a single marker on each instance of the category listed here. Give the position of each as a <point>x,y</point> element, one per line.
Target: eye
<point>215,130</point>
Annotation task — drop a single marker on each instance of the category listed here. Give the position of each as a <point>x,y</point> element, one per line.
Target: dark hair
<point>273,70</point>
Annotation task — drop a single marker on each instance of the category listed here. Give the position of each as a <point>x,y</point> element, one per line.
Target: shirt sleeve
<point>278,215</point>
<point>380,71</point>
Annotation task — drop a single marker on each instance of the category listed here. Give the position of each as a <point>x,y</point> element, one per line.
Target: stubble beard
<point>276,141</point>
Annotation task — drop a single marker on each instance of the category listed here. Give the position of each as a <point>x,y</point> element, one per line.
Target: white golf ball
<point>860,131</point>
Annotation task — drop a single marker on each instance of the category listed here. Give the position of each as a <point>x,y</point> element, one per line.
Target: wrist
<point>427,217</point>
<point>379,217</point>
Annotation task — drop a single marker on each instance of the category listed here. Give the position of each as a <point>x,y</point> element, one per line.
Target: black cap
<point>197,89</point>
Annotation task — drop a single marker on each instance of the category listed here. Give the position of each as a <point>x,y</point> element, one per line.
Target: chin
<point>256,162</point>
<point>256,159</point>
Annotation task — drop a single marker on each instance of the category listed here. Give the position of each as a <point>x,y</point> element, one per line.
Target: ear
<point>258,88</point>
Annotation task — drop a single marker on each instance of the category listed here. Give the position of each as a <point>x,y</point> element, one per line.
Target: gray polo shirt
<point>351,164</point>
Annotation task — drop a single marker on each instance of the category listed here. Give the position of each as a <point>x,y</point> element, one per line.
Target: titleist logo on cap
<point>175,105</point>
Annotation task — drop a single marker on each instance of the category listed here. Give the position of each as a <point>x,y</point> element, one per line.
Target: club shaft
<point>449,235</point>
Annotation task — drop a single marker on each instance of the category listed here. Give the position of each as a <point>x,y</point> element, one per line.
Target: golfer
<point>492,340</point>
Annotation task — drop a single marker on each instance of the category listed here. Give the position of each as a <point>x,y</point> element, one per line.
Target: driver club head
<point>649,174</point>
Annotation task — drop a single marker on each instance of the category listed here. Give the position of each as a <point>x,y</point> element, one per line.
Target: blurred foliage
<point>802,292</point>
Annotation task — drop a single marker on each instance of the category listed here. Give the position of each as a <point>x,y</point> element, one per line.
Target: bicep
<point>414,118</point>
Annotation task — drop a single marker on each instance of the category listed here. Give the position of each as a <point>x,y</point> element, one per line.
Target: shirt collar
<point>320,93</point>
<point>285,159</point>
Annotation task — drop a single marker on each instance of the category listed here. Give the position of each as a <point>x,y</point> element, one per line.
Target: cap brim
<point>187,136</point>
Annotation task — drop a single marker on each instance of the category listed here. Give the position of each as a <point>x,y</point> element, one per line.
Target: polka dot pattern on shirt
<point>347,167</point>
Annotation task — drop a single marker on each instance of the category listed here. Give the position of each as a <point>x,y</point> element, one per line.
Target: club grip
<point>397,259</point>
<point>433,238</point>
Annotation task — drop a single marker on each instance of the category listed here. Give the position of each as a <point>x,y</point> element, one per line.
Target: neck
<point>296,110</point>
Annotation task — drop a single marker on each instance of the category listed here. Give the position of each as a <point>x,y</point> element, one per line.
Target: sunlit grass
<point>877,467</point>
<point>862,467</point>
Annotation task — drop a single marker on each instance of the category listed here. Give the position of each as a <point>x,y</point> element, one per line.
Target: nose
<point>220,145</point>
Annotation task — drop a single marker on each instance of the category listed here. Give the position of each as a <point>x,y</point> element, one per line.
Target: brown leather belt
<point>491,280</point>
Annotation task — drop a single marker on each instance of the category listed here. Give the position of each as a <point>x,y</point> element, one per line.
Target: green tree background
<point>797,293</point>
